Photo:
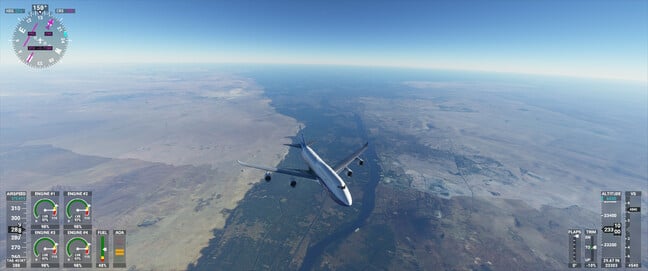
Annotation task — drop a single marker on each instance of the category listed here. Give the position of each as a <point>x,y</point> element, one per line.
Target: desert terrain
<point>156,147</point>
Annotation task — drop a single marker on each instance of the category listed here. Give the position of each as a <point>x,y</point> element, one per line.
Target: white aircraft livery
<point>319,171</point>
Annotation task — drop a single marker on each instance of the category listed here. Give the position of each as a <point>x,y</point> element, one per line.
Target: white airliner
<point>319,171</point>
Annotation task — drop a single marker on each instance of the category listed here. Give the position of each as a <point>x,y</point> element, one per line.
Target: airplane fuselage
<point>318,171</point>
<point>327,177</point>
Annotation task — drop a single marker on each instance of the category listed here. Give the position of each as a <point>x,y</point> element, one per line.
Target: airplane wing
<point>344,163</point>
<point>288,171</point>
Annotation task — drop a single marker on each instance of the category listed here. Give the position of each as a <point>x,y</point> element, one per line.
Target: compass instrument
<point>40,39</point>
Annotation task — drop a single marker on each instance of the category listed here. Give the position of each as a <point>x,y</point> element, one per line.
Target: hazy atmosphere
<point>492,129</point>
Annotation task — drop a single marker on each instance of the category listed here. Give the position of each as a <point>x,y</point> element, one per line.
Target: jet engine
<point>267,177</point>
<point>293,183</point>
<point>349,172</point>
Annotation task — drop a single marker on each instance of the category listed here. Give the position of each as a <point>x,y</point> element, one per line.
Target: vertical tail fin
<point>303,142</point>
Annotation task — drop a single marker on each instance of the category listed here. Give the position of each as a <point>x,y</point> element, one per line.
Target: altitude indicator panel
<point>612,232</point>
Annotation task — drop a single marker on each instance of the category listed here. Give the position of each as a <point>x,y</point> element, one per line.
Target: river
<point>314,252</point>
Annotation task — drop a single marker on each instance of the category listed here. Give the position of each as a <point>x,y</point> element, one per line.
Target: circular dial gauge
<point>40,40</point>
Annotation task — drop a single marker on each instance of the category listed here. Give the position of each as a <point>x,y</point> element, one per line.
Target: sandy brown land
<point>157,148</point>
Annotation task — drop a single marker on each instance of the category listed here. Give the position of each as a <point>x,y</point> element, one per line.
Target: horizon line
<point>363,65</point>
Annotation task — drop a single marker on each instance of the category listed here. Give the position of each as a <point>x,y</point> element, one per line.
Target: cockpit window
<point>342,187</point>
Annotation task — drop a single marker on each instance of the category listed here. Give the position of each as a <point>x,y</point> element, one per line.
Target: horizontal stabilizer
<point>298,146</point>
<point>293,145</point>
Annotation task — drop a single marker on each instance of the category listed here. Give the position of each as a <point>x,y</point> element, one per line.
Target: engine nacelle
<point>293,183</point>
<point>349,172</point>
<point>360,162</point>
<point>267,177</point>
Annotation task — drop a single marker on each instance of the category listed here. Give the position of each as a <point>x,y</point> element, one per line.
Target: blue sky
<point>590,38</point>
